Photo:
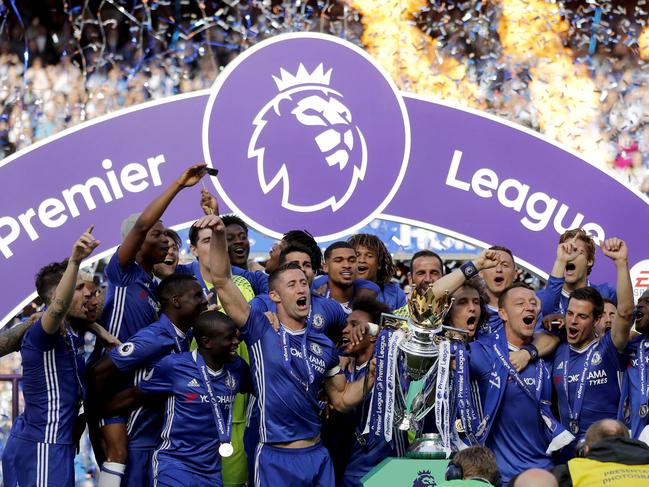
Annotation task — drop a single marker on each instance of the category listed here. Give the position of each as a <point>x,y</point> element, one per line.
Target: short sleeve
<point>245,378</point>
<point>159,380</point>
<point>38,339</point>
<point>610,351</point>
<point>121,276</point>
<point>550,296</point>
<point>333,366</point>
<point>257,324</point>
<point>143,348</point>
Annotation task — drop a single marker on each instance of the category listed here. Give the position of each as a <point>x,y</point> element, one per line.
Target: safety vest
<point>586,473</point>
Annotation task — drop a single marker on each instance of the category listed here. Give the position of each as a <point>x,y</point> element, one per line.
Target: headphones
<point>455,472</point>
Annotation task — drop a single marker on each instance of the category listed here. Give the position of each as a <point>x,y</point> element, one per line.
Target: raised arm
<point>344,395</point>
<point>452,281</point>
<point>232,301</point>
<point>616,250</point>
<point>10,339</point>
<point>62,298</point>
<point>153,212</point>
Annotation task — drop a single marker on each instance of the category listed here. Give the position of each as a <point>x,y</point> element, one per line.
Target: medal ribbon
<point>575,411</point>
<point>286,354</point>
<point>642,365</point>
<point>223,428</point>
<point>514,375</point>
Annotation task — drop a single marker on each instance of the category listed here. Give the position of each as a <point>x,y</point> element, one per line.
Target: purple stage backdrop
<point>308,132</point>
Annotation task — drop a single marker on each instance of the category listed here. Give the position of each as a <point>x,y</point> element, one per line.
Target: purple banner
<point>308,132</point>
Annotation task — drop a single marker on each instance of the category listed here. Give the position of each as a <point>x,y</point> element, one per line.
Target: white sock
<point>111,474</point>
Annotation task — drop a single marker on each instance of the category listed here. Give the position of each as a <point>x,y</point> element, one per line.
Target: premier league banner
<point>307,131</point>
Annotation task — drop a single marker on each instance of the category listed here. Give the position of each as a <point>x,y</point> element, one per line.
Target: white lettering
<point>112,179</point>
<point>451,177</point>
<point>14,231</point>
<point>539,207</point>
<point>521,193</point>
<point>483,181</point>
<point>84,190</point>
<point>133,176</point>
<point>542,217</point>
<point>49,213</point>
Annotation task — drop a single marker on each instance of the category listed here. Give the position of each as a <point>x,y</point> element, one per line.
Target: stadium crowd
<point>219,372</point>
<point>124,64</point>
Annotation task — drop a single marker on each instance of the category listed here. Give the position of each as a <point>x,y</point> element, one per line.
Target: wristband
<point>469,270</point>
<point>373,329</point>
<point>532,350</point>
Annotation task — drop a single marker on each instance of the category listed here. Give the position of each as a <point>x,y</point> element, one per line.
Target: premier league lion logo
<point>325,140</point>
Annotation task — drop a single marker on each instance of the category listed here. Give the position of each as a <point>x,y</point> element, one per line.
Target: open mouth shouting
<point>471,323</point>
<point>529,320</point>
<point>362,270</point>
<point>302,303</point>
<point>239,251</point>
<point>572,332</point>
<point>570,269</point>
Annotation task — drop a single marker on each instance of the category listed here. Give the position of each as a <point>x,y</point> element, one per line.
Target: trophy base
<point>427,446</point>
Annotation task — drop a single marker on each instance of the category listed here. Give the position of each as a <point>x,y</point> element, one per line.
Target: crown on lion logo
<point>317,77</point>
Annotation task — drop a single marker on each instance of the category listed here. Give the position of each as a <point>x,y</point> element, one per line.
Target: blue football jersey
<point>327,315</point>
<point>602,382</point>
<point>555,300</point>
<point>53,385</point>
<point>136,356</point>
<point>517,434</point>
<point>190,437</point>
<point>633,383</point>
<point>369,450</point>
<point>130,299</point>
<point>289,408</point>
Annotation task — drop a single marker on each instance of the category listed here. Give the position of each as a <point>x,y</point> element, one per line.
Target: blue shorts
<point>171,474</point>
<point>139,472</point>
<point>296,467</point>
<point>34,464</point>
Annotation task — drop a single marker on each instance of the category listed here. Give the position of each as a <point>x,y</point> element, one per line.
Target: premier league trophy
<point>425,357</point>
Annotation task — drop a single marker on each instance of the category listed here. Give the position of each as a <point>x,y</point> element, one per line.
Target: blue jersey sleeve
<point>143,348</point>
<point>185,269</point>
<point>36,338</point>
<point>611,353</point>
<point>160,379</point>
<point>365,284</point>
<point>257,323</point>
<point>550,296</point>
<point>607,291</point>
<point>121,276</point>
<point>245,378</point>
<point>335,313</point>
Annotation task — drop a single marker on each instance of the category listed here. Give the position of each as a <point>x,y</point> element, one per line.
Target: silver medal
<point>226,449</point>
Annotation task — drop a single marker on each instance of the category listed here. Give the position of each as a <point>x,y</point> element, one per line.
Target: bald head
<point>604,428</point>
<point>536,477</point>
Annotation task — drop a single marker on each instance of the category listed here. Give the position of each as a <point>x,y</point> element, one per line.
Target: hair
<point>274,276</point>
<point>234,220</point>
<point>426,253</point>
<point>193,235</point>
<point>503,249</point>
<point>477,285</point>
<point>591,295</point>
<point>173,285</point>
<point>207,322</point>
<point>503,296</point>
<point>371,306</point>
<point>605,428</point>
<point>172,234</point>
<point>609,301</point>
<point>305,238</point>
<point>478,461</point>
<point>341,244</point>
<point>372,242</point>
<point>48,278</point>
<point>580,234</point>
<point>295,247</point>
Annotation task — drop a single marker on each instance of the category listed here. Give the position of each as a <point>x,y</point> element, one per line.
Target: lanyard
<point>224,429</point>
<point>512,373</point>
<point>575,411</point>
<point>642,365</point>
<point>286,355</point>
<point>463,391</point>
<point>70,342</point>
